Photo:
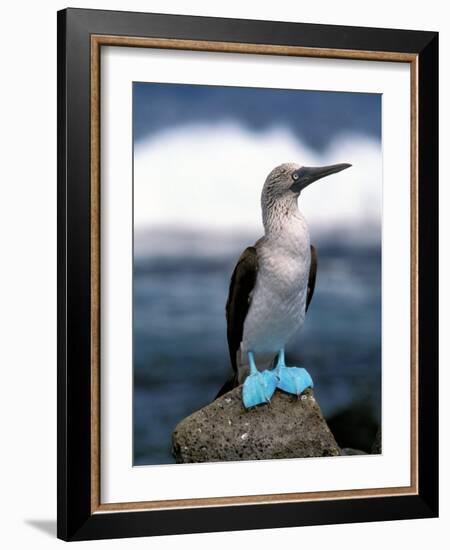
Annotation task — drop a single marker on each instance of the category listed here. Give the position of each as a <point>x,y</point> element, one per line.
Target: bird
<point>271,288</point>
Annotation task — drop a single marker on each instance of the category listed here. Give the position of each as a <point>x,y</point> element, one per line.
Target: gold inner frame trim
<point>97,41</point>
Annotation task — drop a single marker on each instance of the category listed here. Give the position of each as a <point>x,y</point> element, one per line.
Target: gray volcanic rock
<point>348,451</point>
<point>376,447</point>
<point>289,427</point>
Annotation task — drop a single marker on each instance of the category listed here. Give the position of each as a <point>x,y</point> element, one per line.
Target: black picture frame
<point>76,520</point>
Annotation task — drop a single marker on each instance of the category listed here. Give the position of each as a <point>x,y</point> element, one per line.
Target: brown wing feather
<point>239,296</point>
<point>312,276</point>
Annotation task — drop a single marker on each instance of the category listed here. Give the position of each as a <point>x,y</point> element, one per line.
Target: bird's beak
<point>306,175</point>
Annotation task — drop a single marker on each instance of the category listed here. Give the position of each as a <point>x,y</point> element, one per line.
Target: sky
<point>202,153</point>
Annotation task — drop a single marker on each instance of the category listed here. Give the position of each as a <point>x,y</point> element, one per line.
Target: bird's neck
<point>280,215</point>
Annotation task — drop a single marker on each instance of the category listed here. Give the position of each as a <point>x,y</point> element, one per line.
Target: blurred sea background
<point>201,155</point>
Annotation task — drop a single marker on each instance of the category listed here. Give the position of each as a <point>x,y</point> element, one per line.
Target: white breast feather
<point>277,308</point>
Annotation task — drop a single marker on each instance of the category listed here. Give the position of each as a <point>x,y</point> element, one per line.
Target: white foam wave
<point>210,177</point>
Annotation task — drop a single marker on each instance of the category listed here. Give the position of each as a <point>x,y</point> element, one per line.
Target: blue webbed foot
<point>293,380</point>
<point>258,386</point>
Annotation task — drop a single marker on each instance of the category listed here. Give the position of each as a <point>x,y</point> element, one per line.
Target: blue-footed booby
<point>271,288</point>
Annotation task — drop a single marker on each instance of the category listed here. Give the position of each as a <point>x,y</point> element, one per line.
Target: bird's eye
<point>295,176</point>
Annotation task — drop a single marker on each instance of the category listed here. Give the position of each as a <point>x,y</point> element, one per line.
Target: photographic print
<point>247,267</point>
<point>256,273</point>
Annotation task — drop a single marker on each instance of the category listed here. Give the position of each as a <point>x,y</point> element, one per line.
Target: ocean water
<point>179,330</point>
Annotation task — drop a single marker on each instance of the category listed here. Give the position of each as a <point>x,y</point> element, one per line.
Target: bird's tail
<point>230,384</point>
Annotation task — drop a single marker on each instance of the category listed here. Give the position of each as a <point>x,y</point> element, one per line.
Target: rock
<point>354,427</point>
<point>289,427</point>
<point>348,451</point>
<point>376,446</point>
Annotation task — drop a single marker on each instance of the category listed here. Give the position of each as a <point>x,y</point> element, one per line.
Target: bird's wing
<point>239,298</point>
<point>312,276</point>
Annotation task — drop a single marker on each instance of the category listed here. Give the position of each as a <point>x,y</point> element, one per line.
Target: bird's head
<point>290,179</point>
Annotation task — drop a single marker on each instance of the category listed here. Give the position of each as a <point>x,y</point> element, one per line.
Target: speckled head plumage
<point>291,178</point>
<point>279,181</point>
<point>283,186</point>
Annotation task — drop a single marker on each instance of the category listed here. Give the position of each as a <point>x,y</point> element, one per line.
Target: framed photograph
<point>247,255</point>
